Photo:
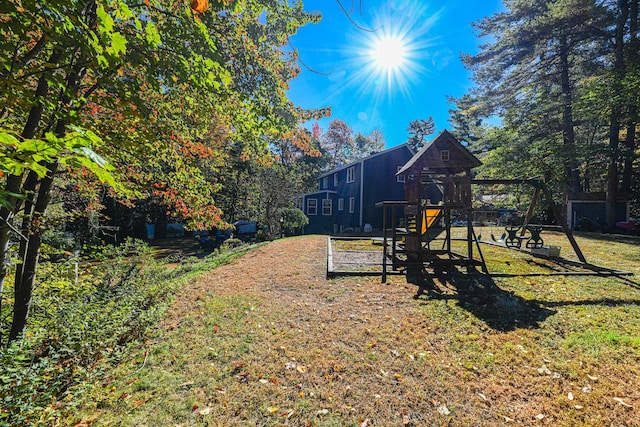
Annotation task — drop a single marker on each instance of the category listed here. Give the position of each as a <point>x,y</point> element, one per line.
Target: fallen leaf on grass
<point>543,370</point>
<point>221,390</point>
<point>290,413</point>
<point>592,378</point>
<point>622,402</point>
<point>272,409</point>
<point>443,410</point>
<point>405,417</point>
<point>301,369</point>
<point>290,365</point>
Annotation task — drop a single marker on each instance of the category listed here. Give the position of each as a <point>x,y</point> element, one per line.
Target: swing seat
<point>535,241</point>
<point>512,239</point>
<point>500,240</point>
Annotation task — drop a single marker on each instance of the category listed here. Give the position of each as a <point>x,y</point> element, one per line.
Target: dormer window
<point>444,155</point>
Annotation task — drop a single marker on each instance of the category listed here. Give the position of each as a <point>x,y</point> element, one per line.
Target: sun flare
<point>389,52</point>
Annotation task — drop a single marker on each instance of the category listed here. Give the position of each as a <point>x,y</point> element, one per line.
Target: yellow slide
<point>428,218</point>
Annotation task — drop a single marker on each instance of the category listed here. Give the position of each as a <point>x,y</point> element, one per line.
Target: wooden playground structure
<point>418,238</point>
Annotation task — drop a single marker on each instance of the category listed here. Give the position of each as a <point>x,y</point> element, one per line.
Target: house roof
<point>380,153</point>
<point>424,157</point>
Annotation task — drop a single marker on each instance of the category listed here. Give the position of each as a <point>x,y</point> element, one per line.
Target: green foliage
<point>231,244</point>
<point>419,130</point>
<point>293,218</point>
<point>78,329</point>
<point>559,75</point>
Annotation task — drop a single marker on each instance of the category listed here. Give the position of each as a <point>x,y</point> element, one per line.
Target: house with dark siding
<point>347,196</point>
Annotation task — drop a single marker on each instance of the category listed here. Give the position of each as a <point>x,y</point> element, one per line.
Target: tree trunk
<point>616,114</point>
<point>27,273</point>
<point>13,183</point>
<point>572,173</point>
<point>632,108</point>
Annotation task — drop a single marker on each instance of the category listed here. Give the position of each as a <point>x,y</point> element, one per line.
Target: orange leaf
<point>199,6</point>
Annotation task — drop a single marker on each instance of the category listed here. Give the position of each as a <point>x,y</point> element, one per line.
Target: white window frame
<point>335,179</point>
<point>327,207</point>
<point>445,155</point>
<point>341,204</point>
<point>351,174</point>
<point>352,204</point>
<point>312,208</point>
<point>325,182</point>
<point>400,178</point>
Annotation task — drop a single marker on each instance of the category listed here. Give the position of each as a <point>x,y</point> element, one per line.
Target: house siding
<point>374,180</point>
<point>380,183</point>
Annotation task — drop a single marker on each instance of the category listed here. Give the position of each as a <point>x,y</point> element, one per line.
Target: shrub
<point>78,328</point>
<point>230,244</point>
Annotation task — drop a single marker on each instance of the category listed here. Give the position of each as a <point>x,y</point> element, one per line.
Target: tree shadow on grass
<point>478,293</point>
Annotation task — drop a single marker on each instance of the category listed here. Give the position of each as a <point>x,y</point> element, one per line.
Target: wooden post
<point>532,206</point>
<point>384,244</point>
<point>563,223</point>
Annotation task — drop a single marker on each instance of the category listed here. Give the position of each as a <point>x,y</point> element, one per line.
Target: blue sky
<point>425,38</point>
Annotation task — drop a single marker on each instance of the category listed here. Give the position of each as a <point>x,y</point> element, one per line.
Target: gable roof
<point>425,158</point>
<point>364,159</point>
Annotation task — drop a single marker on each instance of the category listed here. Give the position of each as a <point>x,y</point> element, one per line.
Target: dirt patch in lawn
<point>267,340</point>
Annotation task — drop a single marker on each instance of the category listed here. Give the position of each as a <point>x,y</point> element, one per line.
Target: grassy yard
<point>266,340</point>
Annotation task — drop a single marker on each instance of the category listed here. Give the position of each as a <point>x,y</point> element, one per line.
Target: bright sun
<point>389,53</point>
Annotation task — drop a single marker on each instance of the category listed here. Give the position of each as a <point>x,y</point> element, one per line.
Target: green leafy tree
<point>419,130</point>
<point>560,73</point>
<point>144,96</point>
<point>365,145</point>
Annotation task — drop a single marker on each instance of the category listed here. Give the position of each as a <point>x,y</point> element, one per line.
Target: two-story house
<point>346,196</point>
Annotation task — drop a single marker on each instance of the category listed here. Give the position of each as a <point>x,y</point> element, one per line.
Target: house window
<point>327,207</point>
<point>352,204</point>
<point>399,178</point>
<point>341,204</point>
<point>325,182</point>
<point>335,179</point>
<point>351,173</point>
<point>444,155</point>
<point>312,207</point>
